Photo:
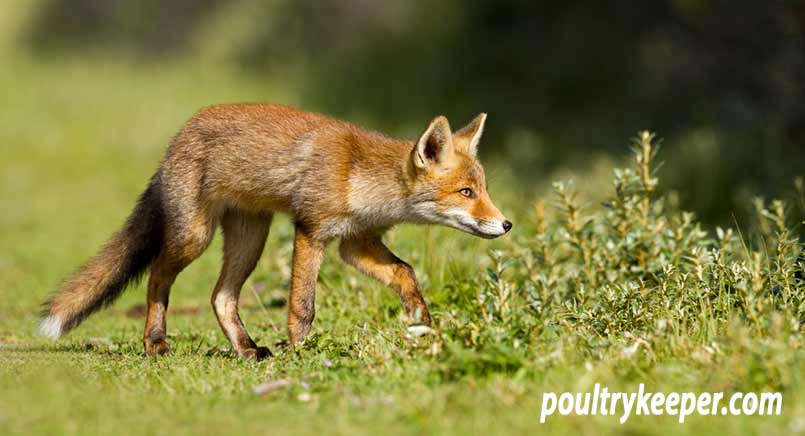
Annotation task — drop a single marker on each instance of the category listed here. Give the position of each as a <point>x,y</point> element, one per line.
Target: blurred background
<point>566,84</point>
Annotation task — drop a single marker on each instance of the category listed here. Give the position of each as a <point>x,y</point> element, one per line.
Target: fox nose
<point>507,225</point>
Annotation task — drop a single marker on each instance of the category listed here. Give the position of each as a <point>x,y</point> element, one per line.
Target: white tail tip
<point>51,327</point>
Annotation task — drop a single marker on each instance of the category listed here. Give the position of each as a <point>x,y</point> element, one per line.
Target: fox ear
<point>435,144</point>
<point>468,137</point>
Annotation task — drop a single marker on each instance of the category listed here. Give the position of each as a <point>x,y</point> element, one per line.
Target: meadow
<point>604,280</point>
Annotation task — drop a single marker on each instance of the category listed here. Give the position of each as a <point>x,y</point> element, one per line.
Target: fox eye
<point>467,192</point>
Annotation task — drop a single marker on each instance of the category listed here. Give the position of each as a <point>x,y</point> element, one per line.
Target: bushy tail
<point>120,262</point>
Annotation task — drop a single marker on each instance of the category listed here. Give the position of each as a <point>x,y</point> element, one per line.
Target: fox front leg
<point>371,257</point>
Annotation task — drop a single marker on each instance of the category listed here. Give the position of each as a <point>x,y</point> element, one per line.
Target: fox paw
<point>419,316</point>
<point>156,348</point>
<point>258,353</point>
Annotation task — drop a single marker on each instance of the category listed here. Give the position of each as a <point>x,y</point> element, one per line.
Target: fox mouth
<point>487,235</point>
<point>482,228</point>
<point>461,220</point>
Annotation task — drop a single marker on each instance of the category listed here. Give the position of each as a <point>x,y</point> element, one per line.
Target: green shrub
<point>632,276</point>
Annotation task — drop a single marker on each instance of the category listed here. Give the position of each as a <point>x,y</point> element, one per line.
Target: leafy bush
<point>633,276</point>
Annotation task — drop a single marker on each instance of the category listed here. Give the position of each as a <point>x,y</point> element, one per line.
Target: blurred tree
<point>150,27</point>
<point>723,81</point>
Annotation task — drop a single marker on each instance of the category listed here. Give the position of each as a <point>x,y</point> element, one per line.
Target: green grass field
<point>578,294</point>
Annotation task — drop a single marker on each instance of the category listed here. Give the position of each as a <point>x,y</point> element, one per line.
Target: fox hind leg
<point>181,248</point>
<point>308,254</point>
<point>163,274</point>
<point>244,239</point>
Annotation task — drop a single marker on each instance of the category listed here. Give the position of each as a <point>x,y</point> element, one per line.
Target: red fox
<point>234,166</point>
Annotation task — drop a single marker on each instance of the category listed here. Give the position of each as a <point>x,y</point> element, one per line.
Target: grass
<point>629,292</point>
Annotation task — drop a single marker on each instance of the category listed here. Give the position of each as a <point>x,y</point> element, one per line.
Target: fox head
<point>449,185</point>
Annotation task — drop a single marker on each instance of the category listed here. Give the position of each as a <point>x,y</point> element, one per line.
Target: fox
<point>235,166</point>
